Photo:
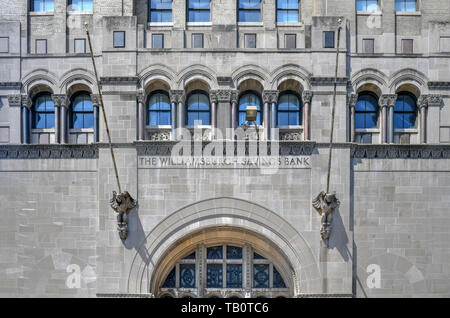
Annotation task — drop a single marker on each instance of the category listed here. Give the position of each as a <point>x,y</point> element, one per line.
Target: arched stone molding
<point>76,80</point>
<point>39,80</point>
<point>157,72</point>
<point>409,78</point>
<point>292,72</point>
<point>252,72</point>
<point>197,72</point>
<point>225,212</point>
<point>370,79</point>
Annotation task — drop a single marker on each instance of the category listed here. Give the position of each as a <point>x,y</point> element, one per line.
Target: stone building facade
<point>202,231</point>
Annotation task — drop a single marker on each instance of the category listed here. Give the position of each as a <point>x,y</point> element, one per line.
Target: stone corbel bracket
<point>122,204</point>
<point>325,204</point>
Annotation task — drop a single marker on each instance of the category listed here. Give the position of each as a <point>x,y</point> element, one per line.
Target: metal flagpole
<point>121,203</point>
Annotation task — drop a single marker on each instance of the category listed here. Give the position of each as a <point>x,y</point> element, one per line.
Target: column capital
<point>140,97</point>
<point>388,100</point>
<point>307,96</point>
<point>95,98</point>
<point>222,95</point>
<point>176,96</point>
<point>434,100</point>
<point>422,101</point>
<point>234,96</point>
<point>26,101</point>
<point>60,100</point>
<point>15,100</point>
<point>352,100</point>
<point>270,96</point>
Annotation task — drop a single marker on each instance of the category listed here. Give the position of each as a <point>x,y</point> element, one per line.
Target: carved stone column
<point>307,98</point>
<point>173,114</point>
<point>422,103</point>
<point>141,114</point>
<point>95,103</point>
<point>352,100</point>
<point>60,102</point>
<point>178,97</point>
<point>269,97</point>
<point>388,102</point>
<point>234,110</point>
<point>213,99</point>
<point>26,104</point>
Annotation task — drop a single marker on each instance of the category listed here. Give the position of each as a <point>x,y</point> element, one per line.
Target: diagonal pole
<point>103,108</point>
<point>333,111</point>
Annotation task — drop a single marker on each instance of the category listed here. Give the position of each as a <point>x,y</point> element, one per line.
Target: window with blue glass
<point>234,275</point>
<point>366,112</point>
<point>405,5</point>
<point>160,11</point>
<point>367,5</point>
<point>43,112</point>
<point>80,5</point>
<point>42,5</point>
<point>198,109</point>
<point>261,276</point>
<point>278,281</point>
<point>158,109</point>
<point>199,10</point>
<point>405,111</point>
<point>214,276</point>
<point>170,281</point>
<point>81,112</point>
<point>249,99</point>
<point>287,11</point>
<point>289,110</point>
<point>187,275</point>
<point>249,11</point>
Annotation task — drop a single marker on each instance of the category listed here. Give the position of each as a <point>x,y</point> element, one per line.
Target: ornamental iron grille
<point>225,267</point>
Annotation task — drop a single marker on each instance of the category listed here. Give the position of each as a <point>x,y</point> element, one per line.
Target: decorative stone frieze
<point>401,151</point>
<point>48,151</point>
<point>15,100</point>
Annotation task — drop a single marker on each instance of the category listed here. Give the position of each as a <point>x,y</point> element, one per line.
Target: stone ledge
<point>401,151</point>
<point>48,152</point>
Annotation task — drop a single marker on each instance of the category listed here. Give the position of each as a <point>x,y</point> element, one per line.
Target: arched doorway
<point>224,262</point>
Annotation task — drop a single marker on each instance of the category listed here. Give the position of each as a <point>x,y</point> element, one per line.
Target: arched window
<point>225,268</point>
<point>366,111</point>
<point>43,112</point>
<point>81,112</point>
<point>405,5</point>
<point>289,110</point>
<point>158,109</point>
<point>198,109</point>
<point>249,99</point>
<point>405,111</point>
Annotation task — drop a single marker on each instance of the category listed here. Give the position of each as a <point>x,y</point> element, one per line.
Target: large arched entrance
<point>223,222</point>
<point>223,262</point>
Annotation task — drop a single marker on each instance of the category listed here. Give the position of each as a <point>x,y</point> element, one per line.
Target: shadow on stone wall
<point>338,238</point>
<point>136,236</point>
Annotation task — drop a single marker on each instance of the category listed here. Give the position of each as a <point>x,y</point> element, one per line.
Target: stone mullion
<point>388,101</point>
<point>177,96</point>
<point>269,97</point>
<point>353,98</point>
<point>60,102</point>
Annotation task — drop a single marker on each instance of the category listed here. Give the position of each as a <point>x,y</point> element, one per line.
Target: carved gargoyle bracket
<point>325,204</point>
<point>122,204</point>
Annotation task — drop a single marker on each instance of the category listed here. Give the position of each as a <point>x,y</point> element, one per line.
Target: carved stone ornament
<point>14,100</point>
<point>290,136</point>
<point>160,135</point>
<point>388,100</point>
<point>307,96</point>
<point>176,96</point>
<point>325,204</point>
<point>352,100</point>
<point>59,100</point>
<point>122,204</point>
<point>270,96</point>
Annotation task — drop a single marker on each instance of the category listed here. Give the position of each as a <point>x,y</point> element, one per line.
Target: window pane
<point>241,118</point>
<point>249,16</point>
<point>88,120</point>
<point>164,118</point>
<point>361,5</point>
<point>283,119</point>
<point>170,280</point>
<point>283,103</point>
<point>49,5</point>
<point>372,5</point>
<point>278,281</point>
<point>153,118</point>
<point>398,121</point>
<point>161,4</point>
<point>292,4</point>
<point>203,102</point>
<point>282,16</point>
<point>214,276</point>
<point>250,41</point>
<point>50,120</point>
<point>410,5</point>
<point>249,4</point>
<point>399,5</point>
<point>204,117</point>
<point>234,252</point>
<point>258,256</point>
<point>371,120</point>
<point>187,275</point>
<point>199,4</point>
<point>197,41</point>
<point>328,39</point>
<point>215,252</point>
<point>119,39</point>
<point>80,46</point>
<point>294,118</point>
<point>234,276</point>
<point>359,121</point>
<point>190,256</point>
<point>38,121</point>
<point>292,16</point>
<point>261,276</point>
<point>157,41</point>
<point>368,45</point>
<point>87,5</point>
